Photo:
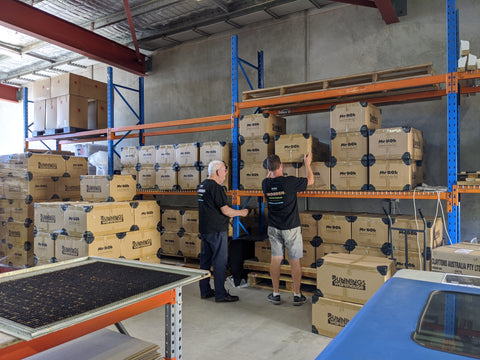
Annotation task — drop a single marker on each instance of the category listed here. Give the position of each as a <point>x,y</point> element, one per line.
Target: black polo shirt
<point>211,197</point>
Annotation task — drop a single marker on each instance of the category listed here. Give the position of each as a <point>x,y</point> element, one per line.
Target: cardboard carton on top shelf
<point>214,150</point>
<point>50,113</point>
<point>351,146</point>
<point>358,116</point>
<point>396,175</point>
<point>255,150</point>
<point>39,115</point>
<point>72,84</point>
<point>129,156</point>
<point>41,90</point>
<point>186,154</point>
<point>261,126</point>
<point>349,175</point>
<point>252,175</point>
<point>97,114</point>
<point>396,143</point>
<point>147,155</point>
<point>291,148</point>
<point>72,111</point>
<point>165,155</point>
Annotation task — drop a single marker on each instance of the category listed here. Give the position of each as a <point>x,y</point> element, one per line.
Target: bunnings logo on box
<point>349,283</point>
<point>70,251</point>
<point>14,188</point>
<point>71,188</point>
<point>336,320</point>
<point>94,188</point>
<point>46,166</point>
<point>141,244</point>
<point>12,233</point>
<point>113,219</point>
<point>48,218</point>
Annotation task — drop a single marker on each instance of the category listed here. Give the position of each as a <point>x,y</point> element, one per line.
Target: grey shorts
<point>291,240</point>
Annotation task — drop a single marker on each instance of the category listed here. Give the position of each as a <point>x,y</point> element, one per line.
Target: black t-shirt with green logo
<point>281,196</point>
<point>211,197</point>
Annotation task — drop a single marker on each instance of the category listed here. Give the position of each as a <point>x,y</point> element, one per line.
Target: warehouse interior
<point>188,75</point>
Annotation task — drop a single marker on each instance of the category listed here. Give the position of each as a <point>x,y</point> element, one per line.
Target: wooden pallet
<point>64,130</point>
<point>468,178</point>
<point>408,72</point>
<point>176,260</point>
<point>263,280</point>
<point>284,269</point>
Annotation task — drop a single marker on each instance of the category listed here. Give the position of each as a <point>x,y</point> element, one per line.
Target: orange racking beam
<point>70,135</point>
<point>24,349</point>
<point>354,90</point>
<point>189,130</point>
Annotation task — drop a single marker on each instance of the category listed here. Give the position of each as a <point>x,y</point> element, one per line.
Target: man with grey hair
<point>213,218</point>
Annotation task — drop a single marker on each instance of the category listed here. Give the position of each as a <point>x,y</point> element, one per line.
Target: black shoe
<point>299,300</point>
<point>209,295</point>
<point>228,298</point>
<point>275,299</point>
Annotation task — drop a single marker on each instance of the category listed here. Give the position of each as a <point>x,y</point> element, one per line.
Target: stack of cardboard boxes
<point>215,150</point>
<point>71,102</point>
<point>27,178</point>
<point>344,283</point>
<point>180,236</point>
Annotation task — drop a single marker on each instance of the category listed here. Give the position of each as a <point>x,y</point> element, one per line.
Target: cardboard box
<point>129,156</point>
<point>400,143</point>
<point>97,114</point>
<point>415,260</point>
<point>72,111</point>
<point>147,155</point>
<point>19,211</point>
<point>41,90</point>
<point>20,254</point>
<point>170,243</point>
<point>48,216</point>
<point>292,148</point>
<point>256,150</point>
<point>28,164</point>
<point>108,187</point>
<point>165,155</point>
<point>461,258</point>
<point>434,232</point>
<point>309,221</point>
<point>94,219</point>
<point>351,146</point>
<point>172,219</point>
<point>368,251</point>
<point>291,169</point>
<point>370,230</point>
<point>190,221</point>
<point>251,176</point>
<point>352,278</point>
<point>40,188</point>
<point>67,188</point>
<point>130,170</point>
<point>214,150</point>
<point>394,175</point>
<point>321,176</point>
<point>261,126</point>
<point>186,154</point>
<point>39,115</point>
<point>146,214</point>
<point>73,247</point>
<point>263,251</point>
<point>72,84</point>
<point>358,116</point>
<point>76,166</point>
<point>137,244</point>
<point>166,178</point>
<point>44,248</point>
<point>335,228</point>
<point>50,113</point>
<point>330,316</point>
<point>190,245</point>
<point>146,177</point>
<point>188,178</point>
<point>5,210</point>
<point>334,248</point>
<point>349,175</point>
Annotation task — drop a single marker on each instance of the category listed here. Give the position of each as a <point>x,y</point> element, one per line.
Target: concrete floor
<point>249,328</point>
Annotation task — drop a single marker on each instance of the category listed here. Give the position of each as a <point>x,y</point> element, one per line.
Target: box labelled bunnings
<point>165,155</point>
<point>399,175</point>
<point>214,150</point>
<point>33,164</point>
<point>190,245</point>
<point>321,175</point>
<point>188,177</point>
<point>415,238</point>
<point>75,166</point>
<point>44,247</point>
<point>39,188</point>
<point>49,216</point>
<point>352,278</point>
<point>252,175</point>
<point>351,146</point>
<point>186,154</point>
<point>172,218</point>
<point>74,247</point>
<point>255,150</point>
<point>263,251</point>
<point>129,156</point>
<point>146,176</point>
<point>292,148</point>
<point>94,219</point>
<point>399,143</point>
<point>460,258</point>
<point>147,155</point>
<point>415,260</point>
<point>146,214</point>
<point>137,244</point>
<point>349,175</point>
<point>335,227</point>
<point>261,126</point>
<point>330,316</point>
<point>166,178</point>
<point>170,243</point>
<point>370,230</point>
<point>67,188</point>
<point>358,116</point>
<point>108,187</point>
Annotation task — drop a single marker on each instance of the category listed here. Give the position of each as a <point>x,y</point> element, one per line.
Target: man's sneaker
<point>243,282</point>
<point>228,298</point>
<point>299,300</point>
<point>275,299</point>
<point>230,280</point>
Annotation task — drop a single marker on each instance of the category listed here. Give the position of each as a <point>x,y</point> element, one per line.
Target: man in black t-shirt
<point>284,228</point>
<point>213,217</point>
